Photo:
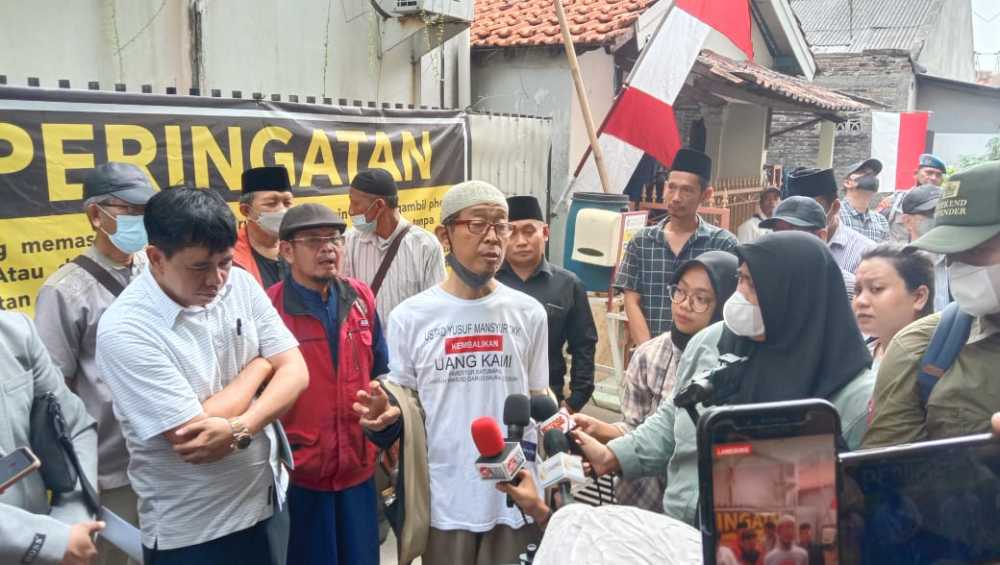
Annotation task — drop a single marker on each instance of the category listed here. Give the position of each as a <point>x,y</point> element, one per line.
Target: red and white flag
<point>898,139</point>
<point>642,117</point>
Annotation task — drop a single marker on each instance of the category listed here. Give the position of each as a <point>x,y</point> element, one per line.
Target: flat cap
<point>922,199</point>
<point>306,216</point>
<point>799,211</point>
<point>121,180</point>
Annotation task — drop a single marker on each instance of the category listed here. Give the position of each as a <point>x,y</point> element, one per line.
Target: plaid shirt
<point>649,266</point>
<point>870,224</point>
<point>650,378</point>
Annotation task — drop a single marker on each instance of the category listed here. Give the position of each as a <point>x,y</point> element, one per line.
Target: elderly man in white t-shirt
<point>461,348</point>
<point>184,351</point>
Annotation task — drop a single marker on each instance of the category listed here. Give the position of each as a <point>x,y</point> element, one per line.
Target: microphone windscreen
<point>517,410</point>
<point>543,407</point>
<point>554,442</point>
<point>487,436</point>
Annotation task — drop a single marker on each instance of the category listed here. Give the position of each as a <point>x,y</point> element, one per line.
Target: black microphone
<point>558,463</point>
<point>517,417</point>
<point>543,408</point>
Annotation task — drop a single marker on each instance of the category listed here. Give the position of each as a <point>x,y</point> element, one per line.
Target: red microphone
<point>498,460</point>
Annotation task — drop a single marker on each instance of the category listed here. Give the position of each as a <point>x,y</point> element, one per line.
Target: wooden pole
<point>581,94</point>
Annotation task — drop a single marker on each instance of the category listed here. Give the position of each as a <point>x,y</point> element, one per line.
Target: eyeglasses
<point>318,242</point>
<point>127,209</point>
<point>698,302</point>
<point>480,227</point>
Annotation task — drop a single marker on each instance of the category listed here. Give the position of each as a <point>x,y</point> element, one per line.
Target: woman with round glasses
<point>698,290</point>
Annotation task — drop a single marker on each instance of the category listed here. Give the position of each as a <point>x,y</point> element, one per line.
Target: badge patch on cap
<point>950,189</point>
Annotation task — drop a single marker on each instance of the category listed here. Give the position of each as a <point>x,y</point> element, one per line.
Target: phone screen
<point>936,502</point>
<point>14,463</point>
<point>775,498</point>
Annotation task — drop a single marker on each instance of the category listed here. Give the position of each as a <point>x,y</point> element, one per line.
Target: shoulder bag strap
<point>90,497</point>
<point>390,255</point>
<point>99,273</point>
<point>946,343</point>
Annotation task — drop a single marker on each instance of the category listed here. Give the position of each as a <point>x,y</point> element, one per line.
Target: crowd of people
<point>272,391</point>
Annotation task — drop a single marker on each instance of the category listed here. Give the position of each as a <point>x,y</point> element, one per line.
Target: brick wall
<point>885,77</point>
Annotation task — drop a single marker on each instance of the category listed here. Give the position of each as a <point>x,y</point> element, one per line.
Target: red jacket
<point>330,449</point>
<point>243,254</point>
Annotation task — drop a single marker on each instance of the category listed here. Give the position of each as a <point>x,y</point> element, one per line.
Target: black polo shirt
<point>570,322</point>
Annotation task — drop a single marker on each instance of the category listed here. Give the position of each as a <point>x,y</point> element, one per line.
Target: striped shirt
<point>161,361</point>
<point>418,265</point>
<point>847,246</point>
<point>868,223</point>
<point>649,266</point>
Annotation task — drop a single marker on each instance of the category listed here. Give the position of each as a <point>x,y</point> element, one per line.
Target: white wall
<point>597,69</point>
<point>248,45</point>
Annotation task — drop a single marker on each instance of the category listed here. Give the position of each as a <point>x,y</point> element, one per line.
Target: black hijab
<point>813,345</point>
<point>721,267</point>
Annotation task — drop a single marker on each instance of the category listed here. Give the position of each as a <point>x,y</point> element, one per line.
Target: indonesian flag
<point>898,139</point>
<point>642,116</point>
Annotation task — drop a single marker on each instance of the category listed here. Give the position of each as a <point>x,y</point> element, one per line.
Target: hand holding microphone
<point>524,493</point>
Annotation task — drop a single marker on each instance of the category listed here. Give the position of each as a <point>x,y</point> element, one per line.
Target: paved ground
<point>389,556</point>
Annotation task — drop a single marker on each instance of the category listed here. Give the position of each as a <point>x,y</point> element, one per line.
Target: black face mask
<point>474,281</point>
<point>679,338</point>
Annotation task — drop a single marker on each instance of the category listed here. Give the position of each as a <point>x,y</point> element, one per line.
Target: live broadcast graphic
<point>776,501</point>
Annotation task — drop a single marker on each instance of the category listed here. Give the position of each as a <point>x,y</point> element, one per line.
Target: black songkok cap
<point>693,161</point>
<point>812,182</point>
<point>264,179</point>
<point>524,208</point>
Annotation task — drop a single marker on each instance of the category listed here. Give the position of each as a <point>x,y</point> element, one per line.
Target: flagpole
<point>581,93</point>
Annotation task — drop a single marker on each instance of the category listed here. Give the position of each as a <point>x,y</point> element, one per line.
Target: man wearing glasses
<point>71,303</point>
<point>332,492</point>
<point>560,292</point>
<point>458,350</point>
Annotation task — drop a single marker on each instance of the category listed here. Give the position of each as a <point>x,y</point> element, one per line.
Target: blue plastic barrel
<point>595,278</point>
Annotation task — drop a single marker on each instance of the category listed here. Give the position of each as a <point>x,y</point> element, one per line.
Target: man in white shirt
<point>750,230</point>
<point>377,224</point>
<point>184,351</point>
<point>462,347</point>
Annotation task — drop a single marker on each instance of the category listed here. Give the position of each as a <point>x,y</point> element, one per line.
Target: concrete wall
<point>249,45</point>
<point>948,50</point>
<point>885,77</point>
<point>742,149</point>
<point>536,82</point>
<point>963,119</point>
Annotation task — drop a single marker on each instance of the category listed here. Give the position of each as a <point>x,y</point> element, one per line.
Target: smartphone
<point>16,465</point>
<point>769,483</point>
<point>929,502</point>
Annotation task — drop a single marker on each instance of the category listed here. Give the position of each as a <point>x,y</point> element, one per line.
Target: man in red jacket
<point>332,495</point>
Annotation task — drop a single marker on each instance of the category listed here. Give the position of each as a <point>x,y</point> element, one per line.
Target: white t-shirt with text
<point>463,358</point>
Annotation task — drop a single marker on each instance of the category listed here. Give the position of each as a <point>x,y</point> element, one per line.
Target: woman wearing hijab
<point>790,316</point>
<point>698,290</point>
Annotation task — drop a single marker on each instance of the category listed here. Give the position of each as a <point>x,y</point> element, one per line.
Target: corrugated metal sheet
<point>852,26</point>
<point>511,152</point>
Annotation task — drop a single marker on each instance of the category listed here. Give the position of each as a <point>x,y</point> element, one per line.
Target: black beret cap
<point>377,182</point>
<point>692,161</point>
<point>524,208</point>
<point>265,178</point>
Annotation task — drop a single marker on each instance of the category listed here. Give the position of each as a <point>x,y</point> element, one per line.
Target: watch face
<point>243,442</point>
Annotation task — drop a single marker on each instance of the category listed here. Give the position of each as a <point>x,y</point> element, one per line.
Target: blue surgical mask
<point>361,224</point>
<point>130,237</point>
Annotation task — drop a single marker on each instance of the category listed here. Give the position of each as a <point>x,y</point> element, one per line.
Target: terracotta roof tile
<point>505,23</point>
<point>751,76</point>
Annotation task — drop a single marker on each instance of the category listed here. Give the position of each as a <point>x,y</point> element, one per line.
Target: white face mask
<point>742,317</point>
<point>975,288</point>
<point>270,221</point>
